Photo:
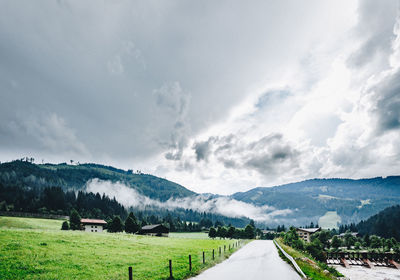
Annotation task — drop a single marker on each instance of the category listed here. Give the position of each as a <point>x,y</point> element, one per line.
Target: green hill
<point>74,177</point>
<point>352,200</point>
<point>385,223</point>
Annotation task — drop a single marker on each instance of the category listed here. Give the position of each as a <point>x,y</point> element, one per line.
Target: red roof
<point>93,221</point>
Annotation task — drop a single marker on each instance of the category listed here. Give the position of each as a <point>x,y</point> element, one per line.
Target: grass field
<point>49,253</point>
<point>29,223</point>
<point>191,235</point>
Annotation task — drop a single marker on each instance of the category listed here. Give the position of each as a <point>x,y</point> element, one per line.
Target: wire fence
<point>192,263</point>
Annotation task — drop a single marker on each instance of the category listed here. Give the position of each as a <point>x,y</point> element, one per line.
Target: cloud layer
<point>219,97</point>
<point>220,205</point>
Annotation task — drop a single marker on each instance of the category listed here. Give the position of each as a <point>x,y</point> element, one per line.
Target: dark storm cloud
<point>267,155</point>
<point>375,28</point>
<point>272,153</point>
<point>202,149</point>
<point>387,107</point>
<point>135,79</point>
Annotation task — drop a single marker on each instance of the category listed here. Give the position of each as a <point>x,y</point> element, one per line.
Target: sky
<point>219,96</point>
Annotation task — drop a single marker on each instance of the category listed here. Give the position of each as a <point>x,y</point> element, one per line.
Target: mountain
<point>74,177</point>
<point>324,201</point>
<point>57,188</point>
<point>385,223</point>
<point>327,201</point>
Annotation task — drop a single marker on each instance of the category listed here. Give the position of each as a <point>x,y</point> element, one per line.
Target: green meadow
<point>37,249</point>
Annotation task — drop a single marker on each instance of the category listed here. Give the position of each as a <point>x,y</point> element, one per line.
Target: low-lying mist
<point>223,205</point>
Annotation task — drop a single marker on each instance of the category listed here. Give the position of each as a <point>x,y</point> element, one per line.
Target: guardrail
<point>290,258</point>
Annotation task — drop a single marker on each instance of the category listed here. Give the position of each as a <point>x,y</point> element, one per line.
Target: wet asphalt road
<point>257,260</point>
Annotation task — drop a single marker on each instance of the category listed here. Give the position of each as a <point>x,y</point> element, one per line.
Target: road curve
<point>257,260</point>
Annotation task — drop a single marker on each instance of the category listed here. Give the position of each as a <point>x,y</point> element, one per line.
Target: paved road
<point>257,260</point>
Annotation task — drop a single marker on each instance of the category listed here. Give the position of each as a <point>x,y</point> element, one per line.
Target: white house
<point>93,225</point>
<point>305,233</point>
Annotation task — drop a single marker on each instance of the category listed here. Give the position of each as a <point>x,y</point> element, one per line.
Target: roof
<point>309,230</point>
<point>352,233</point>
<point>268,231</point>
<point>93,221</point>
<point>150,226</point>
<point>158,228</point>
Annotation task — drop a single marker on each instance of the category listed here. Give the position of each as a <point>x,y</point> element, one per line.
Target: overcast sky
<point>219,96</point>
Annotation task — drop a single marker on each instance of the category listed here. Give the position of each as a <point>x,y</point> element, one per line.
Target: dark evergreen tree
<point>249,232</point>
<point>231,232</point>
<point>131,224</point>
<point>74,220</point>
<point>212,233</point>
<point>115,225</point>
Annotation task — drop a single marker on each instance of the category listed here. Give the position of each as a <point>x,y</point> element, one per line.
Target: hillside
<point>324,201</point>
<point>385,223</point>
<point>352,200</point>
<point>74,177</point>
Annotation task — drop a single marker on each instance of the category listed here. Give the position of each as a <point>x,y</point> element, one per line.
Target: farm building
<point>93,225</point>
<point>305,233</point>
<point>155,230</point>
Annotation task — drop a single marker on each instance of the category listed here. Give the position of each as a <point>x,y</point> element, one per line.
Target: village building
<point>305,233</point>
<point>93,225</point>
<point>343,235</point>
<point>266,231</point>
<point>155,230</point>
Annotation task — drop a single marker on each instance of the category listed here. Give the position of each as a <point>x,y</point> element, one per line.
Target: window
<point>92,230</point>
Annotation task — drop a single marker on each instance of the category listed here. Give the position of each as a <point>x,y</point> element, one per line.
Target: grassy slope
<point>29,223</point>
<point>56,254</point>
<point>312,271</point>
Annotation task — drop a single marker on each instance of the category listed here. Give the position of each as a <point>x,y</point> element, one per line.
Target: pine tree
<point>115,225</point>
<point>212,233</point>
<point>131,224</point>
<point>74,220</point>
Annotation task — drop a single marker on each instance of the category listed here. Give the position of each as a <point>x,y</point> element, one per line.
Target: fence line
<point>237,244</point>
<point>290,258</point>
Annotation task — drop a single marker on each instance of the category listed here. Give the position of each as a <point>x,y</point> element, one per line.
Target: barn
<point>155,230</point>
<point>93,225</point>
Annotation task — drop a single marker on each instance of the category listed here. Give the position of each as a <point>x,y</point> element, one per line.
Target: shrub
<point>65,226</point>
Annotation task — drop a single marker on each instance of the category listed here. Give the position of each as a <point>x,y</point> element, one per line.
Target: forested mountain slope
<point>74,177</point>
<point>385,223</point>
<point>353,200</point>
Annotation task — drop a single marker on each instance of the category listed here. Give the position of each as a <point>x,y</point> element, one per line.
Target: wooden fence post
<point>204,259</point>
<point>190,262</point>
<point>170,269</point>
<point>130,273</point>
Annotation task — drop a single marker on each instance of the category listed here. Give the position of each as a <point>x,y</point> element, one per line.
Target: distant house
<point>266,231</point>
<point>305,233</point>
<point>342,235</point>
<point>155,230</point>
<point>93,225</point>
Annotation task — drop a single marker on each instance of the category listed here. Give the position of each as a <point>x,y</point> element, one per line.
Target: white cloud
<point>197,93</point>
<point>226,206</point>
